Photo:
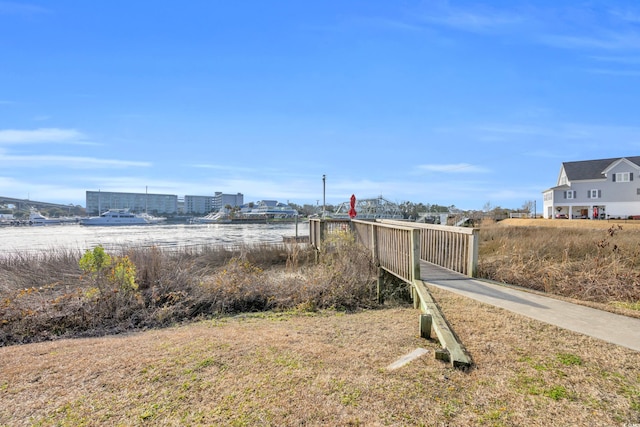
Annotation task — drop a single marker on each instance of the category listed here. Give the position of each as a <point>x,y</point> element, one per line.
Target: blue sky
<point>465,103</point>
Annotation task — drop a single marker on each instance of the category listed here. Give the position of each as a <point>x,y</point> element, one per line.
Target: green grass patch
<point>569,359</point>
<point>627,305</point>
<point>556,392</point>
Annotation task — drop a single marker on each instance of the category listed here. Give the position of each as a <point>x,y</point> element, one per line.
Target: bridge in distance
<point>25,204</point>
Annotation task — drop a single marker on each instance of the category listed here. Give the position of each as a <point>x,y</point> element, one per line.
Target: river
<point>33,239</point>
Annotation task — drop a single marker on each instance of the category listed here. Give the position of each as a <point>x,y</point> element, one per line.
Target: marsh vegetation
<point>589,263</point>
<point>65,293</point>
<point>265,336</point>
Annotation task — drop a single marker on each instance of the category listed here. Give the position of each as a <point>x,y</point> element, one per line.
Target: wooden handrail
<point>455,248</point>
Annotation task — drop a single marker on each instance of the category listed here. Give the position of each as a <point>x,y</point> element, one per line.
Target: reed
<point>598,265</point>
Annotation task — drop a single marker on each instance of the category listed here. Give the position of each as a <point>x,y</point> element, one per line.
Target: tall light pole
<point>324,200</point>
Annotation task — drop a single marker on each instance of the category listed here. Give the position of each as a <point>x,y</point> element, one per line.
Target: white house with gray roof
<point>595,189</point>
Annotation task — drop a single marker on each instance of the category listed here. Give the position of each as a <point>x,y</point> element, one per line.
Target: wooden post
<point>320,238</point>
<point>380,289</point>
<point>323,229</point>
<point>425,326</point>
<point>415,254</point>
<point>443,354</point>
<point>473,255</point>
<point>374,244</point>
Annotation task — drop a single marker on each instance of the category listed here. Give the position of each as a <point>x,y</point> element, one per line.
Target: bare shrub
<point>342,280</point>
<point>239,286</point>
<point>149,287</point>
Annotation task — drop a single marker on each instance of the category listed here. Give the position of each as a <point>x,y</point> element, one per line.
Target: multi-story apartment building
<point>159,204</point>
<point>156,204</point>
<point>198,204</point>
<point>221,200</point>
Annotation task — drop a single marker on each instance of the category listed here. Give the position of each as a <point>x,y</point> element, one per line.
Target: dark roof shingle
<point>592,169</point>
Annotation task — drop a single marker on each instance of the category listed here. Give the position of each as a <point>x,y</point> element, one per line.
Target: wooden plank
<point>426,321</point>
<point>418,352</point>
<point>458,356</point>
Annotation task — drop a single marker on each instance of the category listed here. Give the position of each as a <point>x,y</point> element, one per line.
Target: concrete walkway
<point>609,327</point>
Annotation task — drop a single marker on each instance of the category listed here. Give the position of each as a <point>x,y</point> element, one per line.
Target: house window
<point>571,194</point>
<point>622,177</point>
<point>594,194</point>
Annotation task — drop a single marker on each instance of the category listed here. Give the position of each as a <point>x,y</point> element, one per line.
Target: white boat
<point>153,219</point>
<point>36,218</point>
<point>117,217</point>
<point>221,217</point>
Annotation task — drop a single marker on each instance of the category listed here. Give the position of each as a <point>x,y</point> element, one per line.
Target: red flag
<point>352,211</point>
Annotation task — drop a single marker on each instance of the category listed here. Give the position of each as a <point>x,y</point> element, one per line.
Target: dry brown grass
<point>573,223</point>
<point>324,369</point>
<point>592,261</point>
<point>176,286</point>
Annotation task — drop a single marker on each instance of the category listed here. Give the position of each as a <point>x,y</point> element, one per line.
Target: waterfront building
<point>181,208</point>
<point>221,200</point>
<point>156,204</point>
<point>198,204</point>
<point>269,209</point>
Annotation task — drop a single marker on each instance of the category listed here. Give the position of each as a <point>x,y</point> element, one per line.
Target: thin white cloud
<point>629,16</point>
<point>557,132</point>
<point>453,168</point>
<point>610,72</point>
<point>571,28</point>
<point>630,60</point>
<point>43,135</point>
<point>14,8</point>
<point>226,168</point>
<point>609,41</point>
<point>69,162</point>
<point>592,28</point>
<point>471,19</point>
<point>7,182</point>
<point>243,170</point>
<point>387,24</point>
<point>513,129</point>
<point>475,22</point>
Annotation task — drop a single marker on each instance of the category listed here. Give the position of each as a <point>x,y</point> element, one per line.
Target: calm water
<point>72,236</point>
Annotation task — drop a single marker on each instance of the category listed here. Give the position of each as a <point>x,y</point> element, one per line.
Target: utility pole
<point>324,200</point>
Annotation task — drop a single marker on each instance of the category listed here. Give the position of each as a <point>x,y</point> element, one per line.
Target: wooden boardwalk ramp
<point>426,255</point>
